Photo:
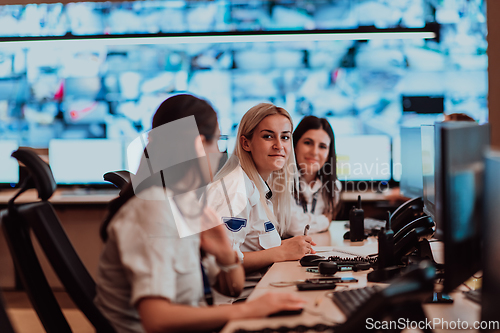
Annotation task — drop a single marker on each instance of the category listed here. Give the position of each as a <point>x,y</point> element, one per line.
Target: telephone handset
<point>410,226</point>
<point>409,236</point>
<point>411,233</point>
<point>406,213</point>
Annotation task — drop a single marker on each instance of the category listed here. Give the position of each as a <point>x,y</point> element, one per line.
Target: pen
<point>306,229</point>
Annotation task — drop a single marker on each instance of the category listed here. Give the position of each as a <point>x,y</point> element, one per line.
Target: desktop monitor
<point>460,197</point>
<point>427,134</point>
<point>410,184</point>
<point>363,158</point>
<point>9,167</point>
<point>423,104</point>
<point>84,161</point>
<point>490,296</point>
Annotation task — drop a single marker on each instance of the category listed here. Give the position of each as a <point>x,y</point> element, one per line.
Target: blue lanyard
<point>206,287</point>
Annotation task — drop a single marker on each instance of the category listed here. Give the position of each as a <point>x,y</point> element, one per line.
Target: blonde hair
<point>281,181</point>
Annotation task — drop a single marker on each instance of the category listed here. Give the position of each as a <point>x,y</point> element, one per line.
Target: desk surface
<point>321,309</point>
<point>103,196</point>
<point>63,196</point>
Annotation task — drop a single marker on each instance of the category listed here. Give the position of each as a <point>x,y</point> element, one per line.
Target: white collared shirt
<point>144,256</point>
<point>240,208</point>
<point>300,217</point>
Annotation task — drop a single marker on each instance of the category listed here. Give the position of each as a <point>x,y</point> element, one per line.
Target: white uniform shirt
<point>144,256</point>
<point>313,214</point>
<point>239,205</point>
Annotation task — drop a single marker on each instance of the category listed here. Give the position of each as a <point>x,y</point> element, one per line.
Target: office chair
<point>5,325</point>
<point>118,178</point>
<point>41,218</point>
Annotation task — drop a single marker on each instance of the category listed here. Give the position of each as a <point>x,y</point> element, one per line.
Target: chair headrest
<point>39,171</point>
<point>118,178</point>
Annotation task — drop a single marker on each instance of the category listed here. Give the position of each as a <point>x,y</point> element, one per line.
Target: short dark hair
<point>457,117</point>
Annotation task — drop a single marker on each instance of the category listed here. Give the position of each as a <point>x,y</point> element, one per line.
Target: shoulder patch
<point>234,224</point>
<point>269,226</point>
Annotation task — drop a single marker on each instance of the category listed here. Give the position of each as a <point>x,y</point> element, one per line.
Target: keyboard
<point>473,295</point>
<point>351,299</point>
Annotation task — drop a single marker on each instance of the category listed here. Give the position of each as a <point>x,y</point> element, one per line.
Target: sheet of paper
<point>347,251</point>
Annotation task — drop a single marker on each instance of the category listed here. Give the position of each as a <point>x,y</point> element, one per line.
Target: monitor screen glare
<point>9,168</point>
<point>363,158</point>
<point>411,163</point>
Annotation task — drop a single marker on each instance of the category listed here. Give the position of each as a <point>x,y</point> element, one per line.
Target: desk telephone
<point>410,226</point>
<point>407,230</point>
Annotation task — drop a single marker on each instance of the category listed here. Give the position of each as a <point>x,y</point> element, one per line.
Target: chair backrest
<point>118,178</point>
<point>31,274</point>
<point>5,325</point>
<point>42,219</point>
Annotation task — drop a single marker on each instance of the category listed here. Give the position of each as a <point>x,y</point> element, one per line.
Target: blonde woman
<point>149,278</point>
<point>252,191</point>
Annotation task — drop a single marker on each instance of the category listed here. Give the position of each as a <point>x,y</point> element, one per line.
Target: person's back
<point>146,258</point>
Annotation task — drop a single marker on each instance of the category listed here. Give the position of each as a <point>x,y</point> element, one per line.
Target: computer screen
<point>9,168</point>
<point>84,161</point>
<point>427,133</point>
<point>490,296</point>
<point>410,184</point>
<point>461,149</point>
<point>396,158</point>
<point>423,104</point>
<point>363,157</point>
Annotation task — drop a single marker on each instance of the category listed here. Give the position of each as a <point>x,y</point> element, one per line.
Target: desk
<point>63,196</point>
<point>81,212</point>
<point>327,312</point>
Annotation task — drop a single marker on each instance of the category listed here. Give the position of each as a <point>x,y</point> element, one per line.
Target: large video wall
<point>61,90</point>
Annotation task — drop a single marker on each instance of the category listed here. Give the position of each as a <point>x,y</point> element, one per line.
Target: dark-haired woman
<point>318,190</point>
<point>150,277</point>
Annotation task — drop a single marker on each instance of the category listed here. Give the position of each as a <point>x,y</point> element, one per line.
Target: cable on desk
<point>466,286</point>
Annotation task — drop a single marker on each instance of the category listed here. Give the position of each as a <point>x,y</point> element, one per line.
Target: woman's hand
<point>270,303</point>
<point>215,240</point>
<point>296,247</point>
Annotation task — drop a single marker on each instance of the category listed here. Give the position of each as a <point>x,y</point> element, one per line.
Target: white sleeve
<point>211,268</point>
<point>299,219</point>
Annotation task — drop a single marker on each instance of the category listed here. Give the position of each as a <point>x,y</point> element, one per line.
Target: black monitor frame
<point>428,181</point>
<point>490,296</point>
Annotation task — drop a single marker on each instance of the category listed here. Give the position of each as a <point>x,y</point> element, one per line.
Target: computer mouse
<point>311,260</point>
